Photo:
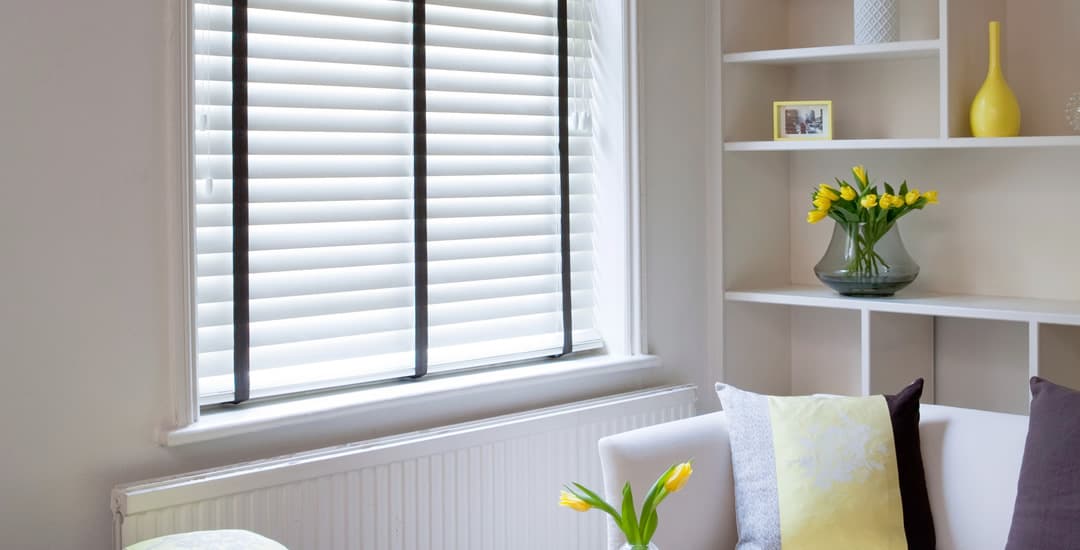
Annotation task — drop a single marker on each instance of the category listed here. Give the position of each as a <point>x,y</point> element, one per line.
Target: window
<point>387,189</point>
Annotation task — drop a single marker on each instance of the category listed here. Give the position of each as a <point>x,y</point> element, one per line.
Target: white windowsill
<point>231,422</point>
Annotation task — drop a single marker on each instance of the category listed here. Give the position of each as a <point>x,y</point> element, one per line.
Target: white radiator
<point>487,485</point>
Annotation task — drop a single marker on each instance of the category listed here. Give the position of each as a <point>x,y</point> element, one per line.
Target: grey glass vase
<point>866,260</point>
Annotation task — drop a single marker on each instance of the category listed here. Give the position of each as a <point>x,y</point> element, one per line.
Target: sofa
<point>972,461</point>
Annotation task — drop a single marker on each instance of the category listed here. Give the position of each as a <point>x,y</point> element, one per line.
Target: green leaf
<point>650,528</point>
<point>889,189</point>
<point>633,534</point>
<point>654,492</point>
<point>593,499</point>
<point>904,189</point>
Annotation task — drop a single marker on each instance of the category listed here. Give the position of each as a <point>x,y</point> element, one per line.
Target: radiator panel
<point>488,485</point>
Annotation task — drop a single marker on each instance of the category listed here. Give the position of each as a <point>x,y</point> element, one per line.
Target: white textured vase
<point>876,21</point>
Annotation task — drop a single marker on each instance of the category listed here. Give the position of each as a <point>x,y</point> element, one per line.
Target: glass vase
<point>629,546</point>
<point>866,260</point>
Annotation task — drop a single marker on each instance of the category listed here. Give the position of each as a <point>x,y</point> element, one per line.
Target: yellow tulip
<point>816,215</point>
<point>860,174</point>
<point>898,202</point>
<point>847,193</point>
<point>826,191</point>
<point>912,197</point>
<point>931,197</point>
<point>678,477</point>
<point>570,501</point>
<point>869,201</point>
<point>823,203</point>
<point>886,202</point>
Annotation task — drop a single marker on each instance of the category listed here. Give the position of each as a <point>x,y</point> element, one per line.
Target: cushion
<point>228,539</point>
<point>828,472</point>
<point>1047,511</point>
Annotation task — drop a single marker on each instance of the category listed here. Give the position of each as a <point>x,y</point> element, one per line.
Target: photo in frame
<point>802,120</point>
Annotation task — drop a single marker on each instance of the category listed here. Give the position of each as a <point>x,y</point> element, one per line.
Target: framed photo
<point>802,120</point>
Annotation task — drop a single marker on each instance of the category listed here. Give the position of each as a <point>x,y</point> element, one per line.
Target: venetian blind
<point>331,272</point>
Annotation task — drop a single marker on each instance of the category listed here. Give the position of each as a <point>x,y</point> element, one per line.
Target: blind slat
<point>288,307</point>
<point>344,143</point>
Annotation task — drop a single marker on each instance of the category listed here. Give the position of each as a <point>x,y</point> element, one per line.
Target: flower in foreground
<point>886,202</point>
<point>822,202</point>
<point>912,197</point>
<point>678,477</point>
<point>847,193</point>
<point>869,201</point>
<point>931,197</point>
<point>570,501</point>
<point>816,215</point>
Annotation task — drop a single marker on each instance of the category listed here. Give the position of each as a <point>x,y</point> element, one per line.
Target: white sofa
<point>972,461</point>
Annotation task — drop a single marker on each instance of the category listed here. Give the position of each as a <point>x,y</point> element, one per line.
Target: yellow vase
<point>995,111</point>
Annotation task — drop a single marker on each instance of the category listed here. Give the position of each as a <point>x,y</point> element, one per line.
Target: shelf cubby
<point>753,25</point>
<point>1039,45</point>
<point>982,364</point>
<point>1056,353</point>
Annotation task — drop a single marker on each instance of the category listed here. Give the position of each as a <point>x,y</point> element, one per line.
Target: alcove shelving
<point>998,299</point>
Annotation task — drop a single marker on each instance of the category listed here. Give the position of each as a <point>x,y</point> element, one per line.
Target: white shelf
<point>915,303</point>
<point>914,49</point>
<point>834,145</point>
<point>1016,142</point>
<point>905,143</point>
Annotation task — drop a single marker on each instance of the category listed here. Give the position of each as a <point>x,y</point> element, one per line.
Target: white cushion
<point>972,461</point>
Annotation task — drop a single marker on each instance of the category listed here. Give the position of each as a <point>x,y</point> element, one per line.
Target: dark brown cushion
<point>915,499</point>
<point>1047,511</point>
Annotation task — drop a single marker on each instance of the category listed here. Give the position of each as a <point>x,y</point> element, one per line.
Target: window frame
<point>623,325</point>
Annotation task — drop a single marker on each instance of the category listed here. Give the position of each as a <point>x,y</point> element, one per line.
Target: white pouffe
<point>227,539</point>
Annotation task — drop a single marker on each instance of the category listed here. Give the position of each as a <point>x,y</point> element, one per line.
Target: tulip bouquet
<point>866,215</point>
<point>638,529</point>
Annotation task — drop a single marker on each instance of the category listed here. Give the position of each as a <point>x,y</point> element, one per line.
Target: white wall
<point>84,325</point>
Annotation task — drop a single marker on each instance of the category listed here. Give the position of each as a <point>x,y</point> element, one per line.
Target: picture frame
<point>802,120</point>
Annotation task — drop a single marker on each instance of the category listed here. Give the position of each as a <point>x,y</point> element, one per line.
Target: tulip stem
<point>865,261</point>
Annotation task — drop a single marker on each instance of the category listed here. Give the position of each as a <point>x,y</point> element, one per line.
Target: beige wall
<point>84,266</point>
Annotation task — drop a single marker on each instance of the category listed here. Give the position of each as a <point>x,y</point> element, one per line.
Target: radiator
<point>486,485</point>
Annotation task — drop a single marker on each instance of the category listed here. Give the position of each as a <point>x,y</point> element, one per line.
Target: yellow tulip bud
<point>816,215</point>
<point>898,202</point>
<point>570,501</point>
<point>912,197</point>
<point>847,193</point>
<point>826,191</point>
<point>886,202</point>
<point>869,201</point>
<point>860,174</point>
<point>931,197</point>
<point>678,477</point>
<point>822,203</point>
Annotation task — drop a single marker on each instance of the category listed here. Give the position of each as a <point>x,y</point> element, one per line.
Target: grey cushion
<point>1047,511</point>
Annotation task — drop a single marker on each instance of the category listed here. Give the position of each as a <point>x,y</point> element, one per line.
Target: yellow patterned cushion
<point>836,473</point>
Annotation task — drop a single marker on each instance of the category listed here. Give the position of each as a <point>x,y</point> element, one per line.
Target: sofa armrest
<point>702,515</point>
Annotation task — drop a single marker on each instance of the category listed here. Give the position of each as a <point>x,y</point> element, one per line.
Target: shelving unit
<point>998,299</point>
